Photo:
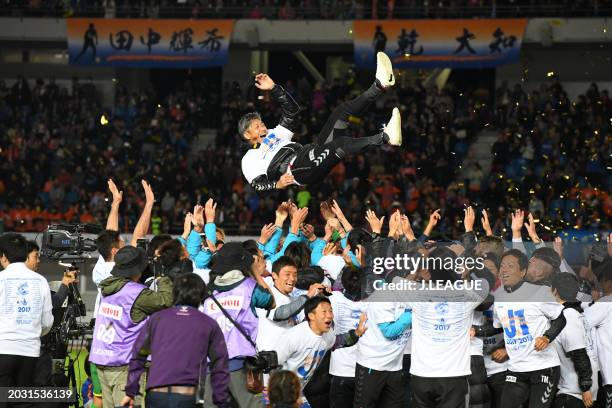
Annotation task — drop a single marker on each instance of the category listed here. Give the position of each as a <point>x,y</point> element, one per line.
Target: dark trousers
<point>496,386</point>
<point>406,376</point>
<point>169,400</point>
<point>315,161</point>
<point>378,389</point>
<point>535,389</point>
<point>480,395</point>
<point>567,401</point>
<point>341,392</point>
<point>444,392</point>
<point>16,371</point>
<point>604,396</point>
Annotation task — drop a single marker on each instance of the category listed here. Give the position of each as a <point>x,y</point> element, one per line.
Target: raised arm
<point>142,227</point>
<point>289,107</point>
<point>112,223</point>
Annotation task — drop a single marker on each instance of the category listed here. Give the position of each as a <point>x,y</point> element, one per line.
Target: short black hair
<point>156,242</point>
<point>32,246</point>
<point>300,253</point>
<point>245,122</point>
<point>14,246</point>
<point>188,289</point>
<point>351,279</point>
<point>358,236</point>
<point>312,303</point>
<point>170,252</point>
<point>496,244</point>
<point>284,389</point>
<point>438,265</point>
<point>106,241</point>
<point>251,246</point>
<point>523,261</point>
<point>548,255</point>
<point>567,285</point>
<point>281,262</point>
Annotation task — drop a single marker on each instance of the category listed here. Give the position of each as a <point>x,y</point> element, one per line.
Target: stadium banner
<point>148,43</point>
<point>439,43</point>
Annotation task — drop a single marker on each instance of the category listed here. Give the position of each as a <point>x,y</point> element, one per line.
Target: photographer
<point>26,313</point>
<point>236,283</point>
<point>173,259</point>
<point>44,365</point>
<point>180,340</point>
<point>124,307</point>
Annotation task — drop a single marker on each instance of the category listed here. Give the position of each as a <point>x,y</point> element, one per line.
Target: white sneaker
<point>393,129</point>
<point>384,70</point>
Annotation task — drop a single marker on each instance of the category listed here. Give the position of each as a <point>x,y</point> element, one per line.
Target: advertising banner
<point>148,43</point>
<point>439,43</point>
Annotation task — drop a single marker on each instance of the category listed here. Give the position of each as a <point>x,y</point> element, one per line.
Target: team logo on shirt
<point>442,308</point>
<point>514,338</point>
<point>269,143</point>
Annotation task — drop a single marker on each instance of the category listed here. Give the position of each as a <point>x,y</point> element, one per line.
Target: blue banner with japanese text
<point>148,43</point>
<point>439,43</point>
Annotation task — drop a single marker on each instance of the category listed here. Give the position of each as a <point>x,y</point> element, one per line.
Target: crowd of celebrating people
<point>209,319</point>
<point>60,131</point>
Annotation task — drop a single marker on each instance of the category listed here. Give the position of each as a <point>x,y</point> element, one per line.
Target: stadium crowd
<point>76,145</point>
<point>302,9</point>
<point>197,313</point>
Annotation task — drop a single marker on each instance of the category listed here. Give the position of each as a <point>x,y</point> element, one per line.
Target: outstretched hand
<point>375,222</point>
<point>264,82</point>
<point>486,225</point>
<point>117,195</point>
<point>149,196</point>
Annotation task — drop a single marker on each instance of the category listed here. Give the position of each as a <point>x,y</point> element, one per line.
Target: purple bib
<point>237,303</point>
<point>115,332</point>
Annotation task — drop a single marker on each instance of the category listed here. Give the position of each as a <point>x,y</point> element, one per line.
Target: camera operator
<point>110,241</point>
<point>44,365</point>
<point>124,308</point>
<point>173,259</point>
<point>237,283</point>
<point>26,313</point>
<point>180,340</point>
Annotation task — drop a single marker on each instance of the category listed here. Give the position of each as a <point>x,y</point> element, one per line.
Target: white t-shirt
<point>301,350</point>
<point>255,162</point>
<point>101,271</point>
<point>271,332</point>
<point>574,337</point>
<point>441,338</point>
<point>202,273</point>
<point>374,350</point>
<point>477,343</point>
<point>25,310</point>
<point>599,316</point>
<point>524,321</point>
<point>346,318</point>
<point>332,265</point>
<point>491,344</point>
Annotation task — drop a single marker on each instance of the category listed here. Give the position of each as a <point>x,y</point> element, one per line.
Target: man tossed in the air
<point>275,162</point>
